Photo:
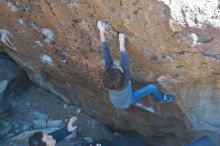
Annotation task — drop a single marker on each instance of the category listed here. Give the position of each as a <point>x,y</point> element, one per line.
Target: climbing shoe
<point>146,107</point>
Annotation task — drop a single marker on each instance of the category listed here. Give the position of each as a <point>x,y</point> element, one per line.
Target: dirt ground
<point>37,100</point>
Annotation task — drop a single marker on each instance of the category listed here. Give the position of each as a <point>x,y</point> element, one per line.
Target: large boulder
<point>174,43</point>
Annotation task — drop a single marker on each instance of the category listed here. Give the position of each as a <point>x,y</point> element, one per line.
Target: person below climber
<point>42,139</point>
<point>116,77</point>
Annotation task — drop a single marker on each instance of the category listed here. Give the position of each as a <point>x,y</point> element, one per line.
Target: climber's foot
<point>146,107</point>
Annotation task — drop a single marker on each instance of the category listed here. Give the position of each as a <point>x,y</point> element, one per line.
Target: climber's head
<point>113,77</point>
<point>41,139</point>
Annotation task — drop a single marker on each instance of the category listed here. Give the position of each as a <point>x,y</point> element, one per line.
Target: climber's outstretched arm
<point>105,49</point>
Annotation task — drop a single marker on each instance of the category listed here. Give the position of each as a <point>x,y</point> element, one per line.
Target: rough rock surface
<point>197,13</point>
<point>12,77</point>
<point>57,43</point>
<point>12,80</point>
<point>35,103</point>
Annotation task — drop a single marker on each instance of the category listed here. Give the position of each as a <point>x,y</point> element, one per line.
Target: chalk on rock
<point>11,6</point>
<point>6,39</point>
<point>39,43</point>
<point>28,22</point>
<point>46,59</point>
<point>48,36</point>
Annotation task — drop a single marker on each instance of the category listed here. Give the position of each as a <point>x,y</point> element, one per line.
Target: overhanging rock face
<point>58,45</point>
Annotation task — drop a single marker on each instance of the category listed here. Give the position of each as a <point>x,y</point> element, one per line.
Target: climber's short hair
<point>113,78</point>
<point>36,139</point>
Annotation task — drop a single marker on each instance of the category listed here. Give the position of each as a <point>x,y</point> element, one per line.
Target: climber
<point>42,139</point>
<point>116,77</point>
